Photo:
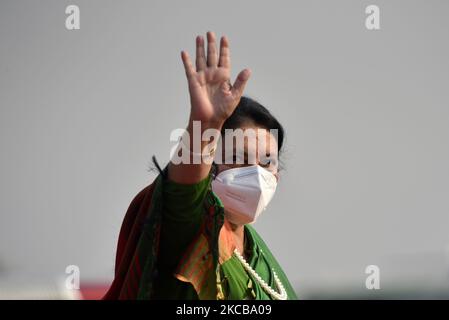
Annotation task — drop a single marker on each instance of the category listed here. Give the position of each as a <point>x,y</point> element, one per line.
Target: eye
<point>269,163</point>
<point>238,159</point>
<point>266,163</point>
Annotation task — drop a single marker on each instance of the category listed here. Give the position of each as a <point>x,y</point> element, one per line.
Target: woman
<point>188,234</point>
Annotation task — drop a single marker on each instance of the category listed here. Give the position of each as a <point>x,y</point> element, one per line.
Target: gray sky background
<point>366,115</point>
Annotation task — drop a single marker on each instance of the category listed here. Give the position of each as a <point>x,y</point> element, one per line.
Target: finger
<point>187,64</point>
<point>211,50</point>
<point>240,83</point>
<point>225,55</point>
<point>226,86</point>
<point>200,54</point>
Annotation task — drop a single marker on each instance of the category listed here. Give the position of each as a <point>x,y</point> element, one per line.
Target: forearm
<point>194,169</point>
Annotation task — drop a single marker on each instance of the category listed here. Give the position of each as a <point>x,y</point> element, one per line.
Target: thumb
<point>240,83</point>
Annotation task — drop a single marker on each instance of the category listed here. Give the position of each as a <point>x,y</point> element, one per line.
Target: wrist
<point>206,124</point>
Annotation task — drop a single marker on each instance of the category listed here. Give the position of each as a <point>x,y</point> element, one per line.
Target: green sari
<point>183,215</point>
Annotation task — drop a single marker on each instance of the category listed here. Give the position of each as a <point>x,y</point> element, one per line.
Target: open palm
<point>212,97</point>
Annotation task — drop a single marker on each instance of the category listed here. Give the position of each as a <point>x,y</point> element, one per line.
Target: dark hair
<point>249,110</point>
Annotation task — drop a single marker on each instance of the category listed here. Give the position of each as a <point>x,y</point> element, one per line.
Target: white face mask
<point>245,192</point>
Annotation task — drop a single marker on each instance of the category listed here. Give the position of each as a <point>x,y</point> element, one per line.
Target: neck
<point>239,234</point>
<point>237,228</point>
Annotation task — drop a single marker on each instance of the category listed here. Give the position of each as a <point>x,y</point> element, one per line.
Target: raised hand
<point>212,97</point>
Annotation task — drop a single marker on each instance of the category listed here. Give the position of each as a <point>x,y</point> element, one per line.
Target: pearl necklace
<point>275,295</point>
